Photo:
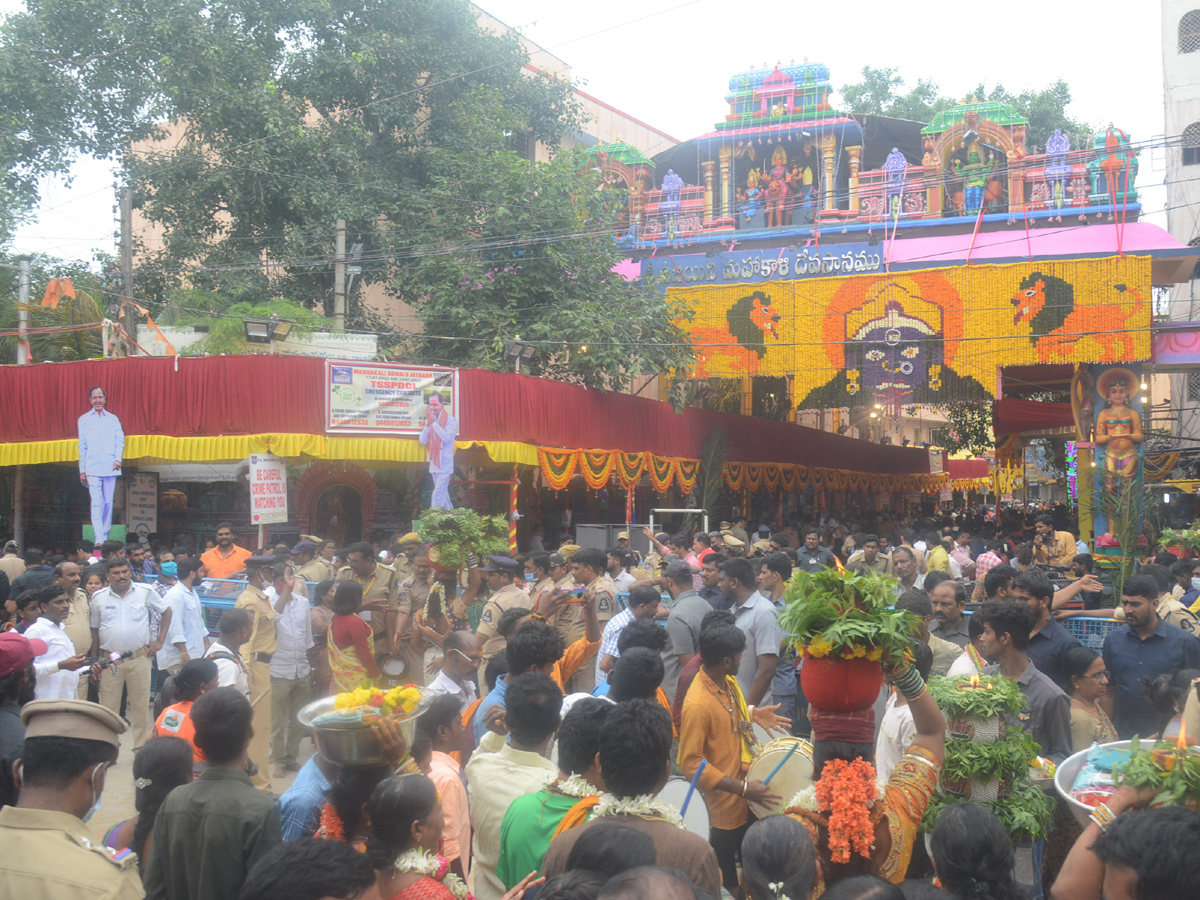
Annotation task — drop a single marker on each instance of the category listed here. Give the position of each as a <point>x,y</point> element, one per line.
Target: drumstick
<point>786,757</point>
<point>692,787</point>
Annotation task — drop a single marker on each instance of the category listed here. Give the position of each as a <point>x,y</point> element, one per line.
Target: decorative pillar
<point>726,157</point>
<point>828,146</point>
<point>709,174</point>
<point>512,510</point>
<point>747,396</point>
<point>855,154</point>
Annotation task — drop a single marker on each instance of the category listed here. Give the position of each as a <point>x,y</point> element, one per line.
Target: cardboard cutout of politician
<point>438,435</point>
<point>101,446</point>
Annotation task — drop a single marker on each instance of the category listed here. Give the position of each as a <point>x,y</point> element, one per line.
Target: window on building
<point>1189,32</point>
<point>1191,145</point>
<point>1193,387</point>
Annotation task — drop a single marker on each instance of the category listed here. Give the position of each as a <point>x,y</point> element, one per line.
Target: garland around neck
<point>646,806</point>
<point>575,786</point>
<point>422,862</point>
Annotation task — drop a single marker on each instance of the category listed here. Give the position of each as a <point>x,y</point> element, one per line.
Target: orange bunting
<point>630,468</point>
<point>558,466</point>
<point>662,473</point>
<point>735,474</point>
<point>686,471</point>
<point>56,289</point>
<point>597,467</point>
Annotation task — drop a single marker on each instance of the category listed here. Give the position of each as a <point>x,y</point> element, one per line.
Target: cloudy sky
<point>668,63</point>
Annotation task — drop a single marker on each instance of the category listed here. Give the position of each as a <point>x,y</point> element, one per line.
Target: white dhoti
<point>441,491</point>
<point>101,489</point>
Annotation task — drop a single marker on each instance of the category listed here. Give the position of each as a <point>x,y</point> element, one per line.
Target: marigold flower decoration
<point>847,790</point>
<point>331,824</point>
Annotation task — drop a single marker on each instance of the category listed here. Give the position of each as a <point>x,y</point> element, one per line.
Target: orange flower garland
<point>331,824</point>
<point>847,790</point>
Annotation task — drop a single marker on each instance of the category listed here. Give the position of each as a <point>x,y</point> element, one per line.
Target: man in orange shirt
<point>716,726</point>
<point>226,559</point>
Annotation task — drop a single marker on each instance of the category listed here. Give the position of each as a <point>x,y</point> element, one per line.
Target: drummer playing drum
<point>716,729</point>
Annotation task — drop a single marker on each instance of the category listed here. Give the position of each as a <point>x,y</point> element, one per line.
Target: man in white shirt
<point>101,446</point>
<point>896,729</point>
<point>120,625</point>
<point>291,687</point>
<point>188,637</point>
<point>57,669</point>
<point>459,665</point>
<point>234,628</point>
<point>619,561</point>
<point>499,772</point>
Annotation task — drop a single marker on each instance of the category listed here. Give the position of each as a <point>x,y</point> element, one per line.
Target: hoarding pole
<point>18,519</point>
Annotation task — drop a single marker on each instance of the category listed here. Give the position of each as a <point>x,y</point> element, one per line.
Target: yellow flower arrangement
<point>400,700</point>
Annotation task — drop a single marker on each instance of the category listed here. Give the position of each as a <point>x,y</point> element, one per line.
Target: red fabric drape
<point>967,468</point>
<point>1013,415</point>
<point>499,406</point>
<point>254,394</point>
<point>207,395</point>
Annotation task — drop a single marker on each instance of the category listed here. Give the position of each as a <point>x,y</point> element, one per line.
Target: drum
<point>695,818</point>
<point>793,777</point>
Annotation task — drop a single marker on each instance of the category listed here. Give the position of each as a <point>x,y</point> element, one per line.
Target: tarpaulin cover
<point>1013,415</point>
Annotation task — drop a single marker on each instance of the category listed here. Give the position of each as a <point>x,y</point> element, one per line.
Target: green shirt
<point>526,832</point>
<point>208,835</point>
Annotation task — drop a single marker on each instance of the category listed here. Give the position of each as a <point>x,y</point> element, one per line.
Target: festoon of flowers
<point>435,866</point>
<point>644,805</point>
<point>575,786</point>
<point>847,789</point>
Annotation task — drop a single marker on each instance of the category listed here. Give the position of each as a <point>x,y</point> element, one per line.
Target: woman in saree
<point>876,834</point>
<point>351,660</point>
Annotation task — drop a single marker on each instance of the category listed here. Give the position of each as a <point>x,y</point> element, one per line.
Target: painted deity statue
<point>777,189</point>
<point>894,168</point>
<point>1057,172</point>
<point>975,176</point>
<point>1118,425</point>
<point>751,198</point>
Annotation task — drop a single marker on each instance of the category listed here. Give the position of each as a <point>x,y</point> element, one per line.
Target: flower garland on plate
<point>435,866</point>
<point>576,786</point>
<point>645,805</point>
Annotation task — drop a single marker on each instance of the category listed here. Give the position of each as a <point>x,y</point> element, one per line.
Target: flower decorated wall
<point>923,336</point>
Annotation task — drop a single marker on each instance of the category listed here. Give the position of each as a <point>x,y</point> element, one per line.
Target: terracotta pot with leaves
<point>845,626</point>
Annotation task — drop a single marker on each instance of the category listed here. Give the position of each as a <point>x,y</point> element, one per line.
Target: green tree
<point>882,92</point>
<point>226,326</point>
<point>529,253</point>
<point>88,308</point>
<point>289,114</point>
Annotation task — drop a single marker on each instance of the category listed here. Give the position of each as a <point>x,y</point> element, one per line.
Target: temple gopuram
<point>880,271</point>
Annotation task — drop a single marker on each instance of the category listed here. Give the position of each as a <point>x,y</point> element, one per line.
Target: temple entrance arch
<point>336,501</point>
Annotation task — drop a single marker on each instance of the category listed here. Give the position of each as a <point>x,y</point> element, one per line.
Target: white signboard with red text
<point>268,489</point>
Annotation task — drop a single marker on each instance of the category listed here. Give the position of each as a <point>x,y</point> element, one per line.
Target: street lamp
<point>267,331</point>
<point>517,351</point>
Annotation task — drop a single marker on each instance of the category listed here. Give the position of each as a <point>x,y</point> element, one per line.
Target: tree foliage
<point>90,306</point>
<point>530,254</point>
<point>883,92</point>
<point>262,122</point>
<point>968,427</point>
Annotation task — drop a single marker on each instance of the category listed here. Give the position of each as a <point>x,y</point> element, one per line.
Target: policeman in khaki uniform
<point>256,656</point>
<point>410,548</point>
<point>499,572</point>
<point>310,567</point>
<point>49,853</point>
<point>411,597</point>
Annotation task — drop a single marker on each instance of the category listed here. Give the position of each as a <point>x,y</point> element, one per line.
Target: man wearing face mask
<point>48,850</point>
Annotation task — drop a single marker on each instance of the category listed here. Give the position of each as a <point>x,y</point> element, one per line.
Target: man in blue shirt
<point>101,446</point>
<point>300,806</point>
<point>1143,648</point>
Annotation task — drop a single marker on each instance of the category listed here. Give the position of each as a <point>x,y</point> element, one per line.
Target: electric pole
<point>125,317</point>
<point>339,278</point>
<point>18,520</point>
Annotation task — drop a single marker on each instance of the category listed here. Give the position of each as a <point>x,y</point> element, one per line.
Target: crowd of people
<point>568,688</point>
